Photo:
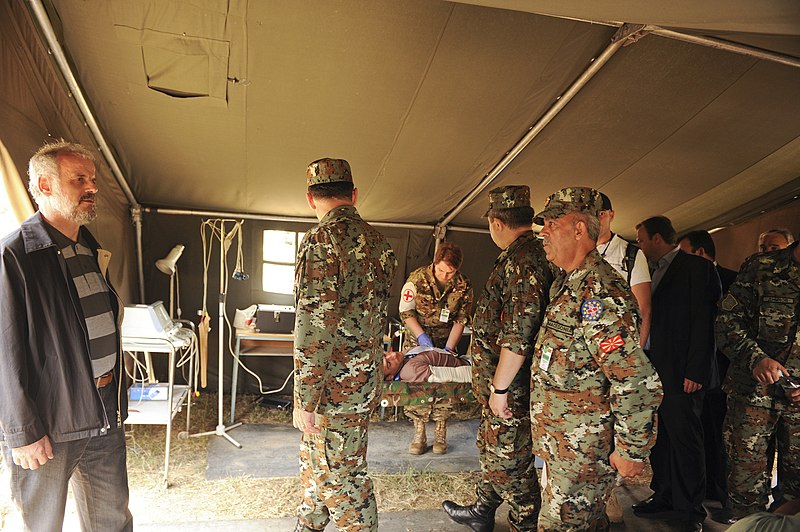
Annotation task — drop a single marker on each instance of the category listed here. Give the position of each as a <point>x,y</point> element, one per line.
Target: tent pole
<point>719,44</point>
<point>274,218</point>
<point>136,216</point>
<point>626,34</point>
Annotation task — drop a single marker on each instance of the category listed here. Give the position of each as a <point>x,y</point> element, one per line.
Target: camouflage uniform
<point>422,299</point>
<point>508,314</point>
<point>342,280</point>
<point>593,390</point>
<point>759,319</point>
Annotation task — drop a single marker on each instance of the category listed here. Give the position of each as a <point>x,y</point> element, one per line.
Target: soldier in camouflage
<point>435,305</point>
<point>594,393</point>
<point>343,275</point>
<point>506,321</point>
<point>757,328</point>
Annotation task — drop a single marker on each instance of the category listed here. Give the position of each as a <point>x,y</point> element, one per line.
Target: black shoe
<point>651,506</point>
<point>479,516</point>
<point>724,515</point>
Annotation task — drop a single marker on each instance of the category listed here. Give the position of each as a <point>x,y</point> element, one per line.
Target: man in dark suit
<point>686,289</point>
<point>701,244</point>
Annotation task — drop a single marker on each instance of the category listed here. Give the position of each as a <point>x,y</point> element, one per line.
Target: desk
<point>253,344</point>
<point>162,412</point>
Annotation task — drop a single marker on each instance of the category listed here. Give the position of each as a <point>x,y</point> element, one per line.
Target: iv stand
<point>221,429</point>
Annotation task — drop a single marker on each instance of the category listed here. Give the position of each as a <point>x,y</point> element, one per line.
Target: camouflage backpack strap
<point>630,259</point>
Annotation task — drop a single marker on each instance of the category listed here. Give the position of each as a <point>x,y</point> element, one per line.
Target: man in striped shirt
<point>63,397</point>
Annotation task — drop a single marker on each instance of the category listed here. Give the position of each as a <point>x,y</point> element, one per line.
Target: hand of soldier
<point>626,468</point>
<point>768,371</point>
<point>689,386</point>
<point>306,422</point>
<point>34,455</point>
<point>424,340</point>
<point>499,405</point>
<point>794,396</point>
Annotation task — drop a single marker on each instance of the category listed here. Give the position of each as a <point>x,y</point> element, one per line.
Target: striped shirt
<point>95,301</point>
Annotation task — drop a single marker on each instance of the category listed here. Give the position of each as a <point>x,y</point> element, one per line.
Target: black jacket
<point>46,381</point>
<point>682,323</point>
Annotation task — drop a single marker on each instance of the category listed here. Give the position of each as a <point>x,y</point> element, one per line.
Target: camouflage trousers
<point>577,479</point>
<point>333,474</point>
<point>507,467</point>
<point>429,412</point>
<point>748,430</point>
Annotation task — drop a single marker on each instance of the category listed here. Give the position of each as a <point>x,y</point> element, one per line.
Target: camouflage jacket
<point>588,369</point>
<point>343,275</point>
<point>758,318</point>
<point>508,314</point>
<point>421,298</point>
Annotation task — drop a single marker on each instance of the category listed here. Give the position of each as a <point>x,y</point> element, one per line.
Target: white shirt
<point>614,253</point>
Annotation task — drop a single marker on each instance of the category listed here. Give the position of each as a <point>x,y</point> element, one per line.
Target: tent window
<point>280,249</point>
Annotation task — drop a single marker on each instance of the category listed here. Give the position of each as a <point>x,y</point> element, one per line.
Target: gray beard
<point>72,213</point>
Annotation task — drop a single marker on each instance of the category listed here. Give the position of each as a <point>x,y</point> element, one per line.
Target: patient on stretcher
<point>425,364</point>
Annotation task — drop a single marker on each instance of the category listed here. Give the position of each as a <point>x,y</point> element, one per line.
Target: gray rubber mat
<point>270,451</point>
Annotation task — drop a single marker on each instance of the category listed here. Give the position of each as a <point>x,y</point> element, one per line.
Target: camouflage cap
<point>328,171</point>
<point>570,199</point>
<point>509,197</point>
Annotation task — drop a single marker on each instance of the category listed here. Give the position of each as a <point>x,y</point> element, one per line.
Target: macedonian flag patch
<point>611,344</point>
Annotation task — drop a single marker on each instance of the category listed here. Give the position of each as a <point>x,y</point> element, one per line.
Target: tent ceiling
<point>220,104</point>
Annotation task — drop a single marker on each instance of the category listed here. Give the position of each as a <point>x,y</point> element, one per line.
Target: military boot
<point>440,437</point>
<point>420,442</point>
<point>479,516</point>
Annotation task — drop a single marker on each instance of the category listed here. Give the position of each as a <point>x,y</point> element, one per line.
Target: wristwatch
<point>496,391</point>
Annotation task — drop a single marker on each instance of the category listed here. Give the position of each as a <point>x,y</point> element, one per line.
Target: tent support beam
<point>719,44</point>
<point>272,218</point>
<point>626,34</point>
<point>136,216</point>
<point>712,42</point>
<point>76,92</point>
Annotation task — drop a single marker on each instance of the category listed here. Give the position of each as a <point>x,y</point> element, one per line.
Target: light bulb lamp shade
<point>167,264</point>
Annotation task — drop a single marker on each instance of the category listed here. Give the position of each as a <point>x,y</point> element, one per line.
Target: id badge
<point>444,316</point>
<point>547,354</point>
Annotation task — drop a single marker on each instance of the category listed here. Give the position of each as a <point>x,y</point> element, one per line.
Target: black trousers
<point>713,417</point>
<point>678,457</point>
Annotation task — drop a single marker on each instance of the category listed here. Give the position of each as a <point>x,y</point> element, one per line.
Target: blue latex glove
<point>424,340</point>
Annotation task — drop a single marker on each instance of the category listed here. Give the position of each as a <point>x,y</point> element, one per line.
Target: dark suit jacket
<point>682,327</point>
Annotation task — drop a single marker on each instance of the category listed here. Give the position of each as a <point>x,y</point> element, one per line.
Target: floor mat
<point>270,451</point>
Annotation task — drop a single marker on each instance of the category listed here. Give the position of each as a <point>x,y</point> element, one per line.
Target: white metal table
<point>160,412</point>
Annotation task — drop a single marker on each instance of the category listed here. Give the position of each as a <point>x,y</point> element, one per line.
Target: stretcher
<point>398,393</point>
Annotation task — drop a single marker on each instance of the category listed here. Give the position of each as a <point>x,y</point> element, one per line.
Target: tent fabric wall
<point>33,110</point>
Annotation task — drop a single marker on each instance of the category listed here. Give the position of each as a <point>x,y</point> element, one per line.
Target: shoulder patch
<point>611,344</point>
<point>592,310</point>
<point>728,303</point>
<point>408,296</point>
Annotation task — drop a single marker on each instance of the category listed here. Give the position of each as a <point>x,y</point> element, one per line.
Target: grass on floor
<point>192,498</point>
